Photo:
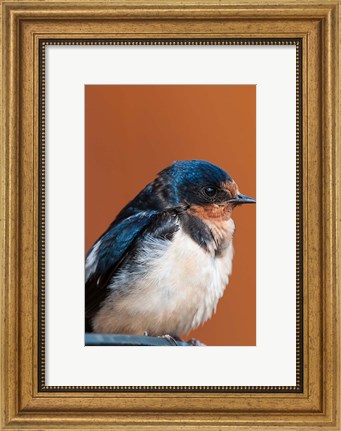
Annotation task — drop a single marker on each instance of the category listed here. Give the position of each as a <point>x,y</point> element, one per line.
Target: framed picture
<point>171,215</point>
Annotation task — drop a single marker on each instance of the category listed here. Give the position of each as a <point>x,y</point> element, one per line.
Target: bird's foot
<point>194,342</point>
<point>171,339</point>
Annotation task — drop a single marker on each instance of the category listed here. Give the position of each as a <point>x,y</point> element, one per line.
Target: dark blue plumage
<point>114,244</point>
<point>172,201</point>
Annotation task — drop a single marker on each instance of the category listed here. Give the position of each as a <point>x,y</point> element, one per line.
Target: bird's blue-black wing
<point>109,252</point>
<point>106,255</point>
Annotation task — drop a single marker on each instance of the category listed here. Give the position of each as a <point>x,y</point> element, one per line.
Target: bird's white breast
<point>173,287</point>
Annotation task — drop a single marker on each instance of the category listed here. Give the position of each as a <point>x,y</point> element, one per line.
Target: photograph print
<point>170,215</point>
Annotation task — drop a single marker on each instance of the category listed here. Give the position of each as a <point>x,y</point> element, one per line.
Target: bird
<point>164,262</point>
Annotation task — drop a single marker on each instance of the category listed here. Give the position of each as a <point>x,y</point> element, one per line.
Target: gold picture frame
<point>26,402</point>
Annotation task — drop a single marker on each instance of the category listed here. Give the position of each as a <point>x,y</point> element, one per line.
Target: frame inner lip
<point>161,41</point>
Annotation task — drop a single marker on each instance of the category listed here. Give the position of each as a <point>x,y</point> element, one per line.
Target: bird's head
<point>200,185</point>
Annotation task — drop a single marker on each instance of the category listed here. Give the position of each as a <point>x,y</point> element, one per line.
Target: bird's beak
<point>241,199</point>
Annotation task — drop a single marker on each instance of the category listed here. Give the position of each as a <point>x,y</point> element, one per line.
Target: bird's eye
<point>210,191</point>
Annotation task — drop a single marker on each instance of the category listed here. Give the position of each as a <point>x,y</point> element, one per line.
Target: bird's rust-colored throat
<point>211,211</point>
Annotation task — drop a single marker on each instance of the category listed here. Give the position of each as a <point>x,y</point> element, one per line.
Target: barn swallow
<point>164,262</point>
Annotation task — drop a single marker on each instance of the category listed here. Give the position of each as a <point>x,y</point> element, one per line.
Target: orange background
<point>134,131</point>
